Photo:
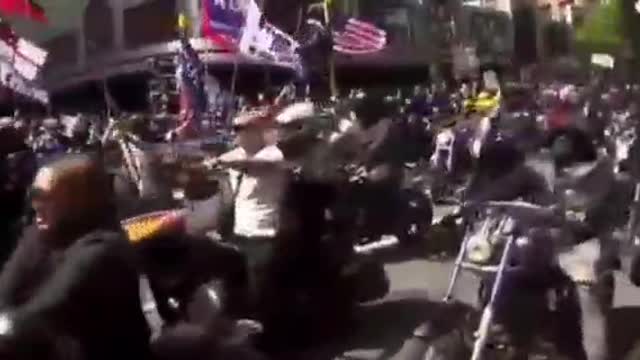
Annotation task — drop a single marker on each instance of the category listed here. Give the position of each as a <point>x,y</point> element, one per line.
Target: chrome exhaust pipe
<point>385,243</point>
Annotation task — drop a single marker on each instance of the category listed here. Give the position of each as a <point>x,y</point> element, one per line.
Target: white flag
<point>15,82</point>
<point>265,41</point>
<point>27,63</point>
<point>253,39</point>
<point>24,67</point>
<point>32,52</point>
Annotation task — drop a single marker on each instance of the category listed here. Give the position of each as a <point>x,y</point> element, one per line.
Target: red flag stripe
<point>354,51</point>
<point>358,46</point>
<point>359,37</point>
<point>364,37</point>
<point>366,27</point>
<point>25,8</point>
<point>346,41</point>
<point>350,40</point>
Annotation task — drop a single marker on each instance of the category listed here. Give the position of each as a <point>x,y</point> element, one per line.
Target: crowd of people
<point>296,182</point>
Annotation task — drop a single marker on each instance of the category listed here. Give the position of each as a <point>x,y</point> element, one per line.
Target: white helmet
<point>75,124</point>
<point>295,112</point>
<point>50,123</point>
<point>568,94</point>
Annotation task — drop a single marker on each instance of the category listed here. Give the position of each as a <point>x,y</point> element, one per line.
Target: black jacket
<point>87,292</point>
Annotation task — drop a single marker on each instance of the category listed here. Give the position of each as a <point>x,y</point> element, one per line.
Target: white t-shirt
<point>257,203</point>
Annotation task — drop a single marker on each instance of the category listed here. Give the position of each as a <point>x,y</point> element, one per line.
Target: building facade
<point>114,38</point>
<point>92,40</point>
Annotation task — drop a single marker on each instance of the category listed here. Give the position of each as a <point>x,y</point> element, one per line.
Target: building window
<point>395,21</point>
<point>62,50</point>
<point>150,23</point>
<point>489,32</point>
<point>98,28</point>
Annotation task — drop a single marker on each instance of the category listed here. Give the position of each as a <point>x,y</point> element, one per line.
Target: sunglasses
<point>37,194</point>
<point>238,128</point>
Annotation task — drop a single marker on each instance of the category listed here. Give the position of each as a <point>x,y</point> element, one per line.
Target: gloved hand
<point>6,325</point>
<point>171,136</point>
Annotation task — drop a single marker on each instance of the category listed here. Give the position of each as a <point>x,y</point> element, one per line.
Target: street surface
<point>418,284</point>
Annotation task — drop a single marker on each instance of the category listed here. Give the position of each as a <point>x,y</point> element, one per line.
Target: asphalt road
<point>418,285</point>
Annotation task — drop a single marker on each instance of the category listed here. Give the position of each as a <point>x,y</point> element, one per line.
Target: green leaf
<point>603,30</point>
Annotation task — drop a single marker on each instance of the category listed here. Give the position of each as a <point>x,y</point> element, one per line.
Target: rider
<point>77,136</point>
<point>566,113</point>
<point>309,242</point>
<point>380,157</point>
<point>489,98</point>
<point>314,50</point>
<point>72,276</point>
<point>598,195</point>
<point>49,141</point>
<point>257,182</point>
<point>17,168</point>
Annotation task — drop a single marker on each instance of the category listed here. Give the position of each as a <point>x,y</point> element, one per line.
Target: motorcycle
<point>186,287</point>
<point>410,209</point>
<point>514,260</point>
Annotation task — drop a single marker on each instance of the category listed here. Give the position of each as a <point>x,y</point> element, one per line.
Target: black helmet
<point>573,146</point>
<point>500,157</point>
<point>370,108</point>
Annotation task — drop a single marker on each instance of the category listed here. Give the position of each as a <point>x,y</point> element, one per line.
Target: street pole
<point>332,63</point>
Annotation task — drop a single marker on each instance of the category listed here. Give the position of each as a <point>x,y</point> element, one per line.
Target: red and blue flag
<point>190,73</point>
<point>223,21</point>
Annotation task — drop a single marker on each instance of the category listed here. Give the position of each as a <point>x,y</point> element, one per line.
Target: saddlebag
<point>369,280</point>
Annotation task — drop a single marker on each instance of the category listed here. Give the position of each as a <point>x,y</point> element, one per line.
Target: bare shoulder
<point>234,155</point>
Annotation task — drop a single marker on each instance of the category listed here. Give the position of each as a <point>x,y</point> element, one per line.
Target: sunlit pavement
<point>416,287</point>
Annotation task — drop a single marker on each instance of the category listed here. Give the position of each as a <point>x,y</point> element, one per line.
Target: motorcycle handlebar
<point>516,209</point>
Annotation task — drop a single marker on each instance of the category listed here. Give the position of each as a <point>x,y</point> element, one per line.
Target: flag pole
<point>106,96</point>
<point>332,63</point>
<point>234,75</point>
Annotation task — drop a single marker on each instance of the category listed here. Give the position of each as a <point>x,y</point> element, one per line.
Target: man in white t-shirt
<point>258,180</point>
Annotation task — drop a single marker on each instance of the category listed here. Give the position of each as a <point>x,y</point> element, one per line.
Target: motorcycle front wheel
<point>418,218</point>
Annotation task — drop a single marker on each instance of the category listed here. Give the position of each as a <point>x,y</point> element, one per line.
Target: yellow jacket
<point>485,102</point>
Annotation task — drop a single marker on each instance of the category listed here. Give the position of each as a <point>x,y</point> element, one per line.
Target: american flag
<point>190,71</point>
<point>359,37</point>
<point>193,98</point>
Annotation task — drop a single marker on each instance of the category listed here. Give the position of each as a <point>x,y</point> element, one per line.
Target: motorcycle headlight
<point>480,245</point>
<point>479,253</point>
